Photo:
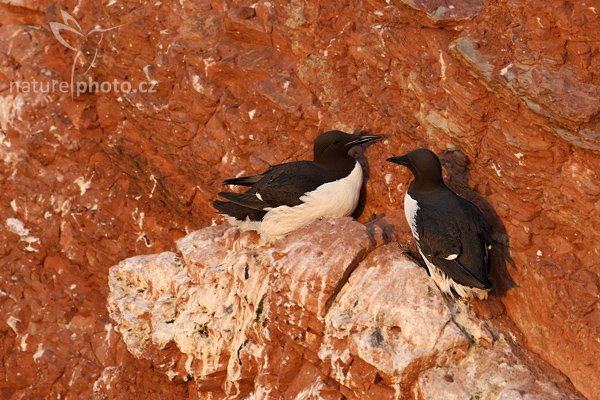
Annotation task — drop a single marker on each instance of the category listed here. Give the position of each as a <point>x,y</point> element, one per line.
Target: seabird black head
<point>425,166</point>
<point>333,145</point>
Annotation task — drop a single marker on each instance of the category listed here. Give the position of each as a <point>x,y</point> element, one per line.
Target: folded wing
<point>282,184</point>
<point>460,250</point>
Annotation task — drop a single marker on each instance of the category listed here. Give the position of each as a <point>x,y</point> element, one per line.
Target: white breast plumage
<point>410,212</point>
<point>333,199</point>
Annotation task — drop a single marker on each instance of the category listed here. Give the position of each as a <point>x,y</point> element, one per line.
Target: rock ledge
<point>328,312</point>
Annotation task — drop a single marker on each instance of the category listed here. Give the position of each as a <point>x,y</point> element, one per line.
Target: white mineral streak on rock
<point>390,315</point>
<point>206,303</point>
<point>311,392</point>
<point>337,359</point>
<point>496,373</point>
<point>109,376</point>
<point>239,312</point>
<point>16,226</point>
<point>143,294</point>
<point>313,264</point>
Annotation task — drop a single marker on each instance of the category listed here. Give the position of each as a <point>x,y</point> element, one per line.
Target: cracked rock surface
<point>506,91</point>
<point>327,312</point>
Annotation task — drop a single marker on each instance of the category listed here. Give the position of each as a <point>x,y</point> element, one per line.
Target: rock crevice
<point>330,311</point>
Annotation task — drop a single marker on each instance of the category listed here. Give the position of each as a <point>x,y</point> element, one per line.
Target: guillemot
<point>291,195</point>
<point>451,233</point>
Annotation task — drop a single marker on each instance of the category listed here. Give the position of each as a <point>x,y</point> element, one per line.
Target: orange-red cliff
<point>508,90</point>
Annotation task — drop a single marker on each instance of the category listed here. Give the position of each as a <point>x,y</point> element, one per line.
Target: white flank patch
<point>446,284</point>
<point>259,196</point>
<point>333,199</point>
<point>410,212</point>
<point>451,257</point>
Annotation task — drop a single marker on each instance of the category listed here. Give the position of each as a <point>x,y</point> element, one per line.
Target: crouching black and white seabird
<point>291,195</point>
<point>451,233</point>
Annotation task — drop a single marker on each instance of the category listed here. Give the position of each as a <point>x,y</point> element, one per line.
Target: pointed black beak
<point>362,140</point>
<point>402,160</point>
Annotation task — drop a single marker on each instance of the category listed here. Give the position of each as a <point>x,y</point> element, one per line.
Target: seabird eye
<point>336,141</point>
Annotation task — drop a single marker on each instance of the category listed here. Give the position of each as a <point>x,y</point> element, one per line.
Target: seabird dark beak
<point>362,140</point>
<point>402,160</point>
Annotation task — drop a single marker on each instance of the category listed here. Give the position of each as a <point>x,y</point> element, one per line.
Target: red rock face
<point>509,90</point>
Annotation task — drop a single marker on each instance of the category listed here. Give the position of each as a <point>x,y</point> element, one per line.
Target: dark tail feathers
<point>243,181</point>
<point>238,212</point>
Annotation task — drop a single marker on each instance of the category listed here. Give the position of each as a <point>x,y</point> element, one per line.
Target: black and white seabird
<point>291,195</point>
<point>451,233</point>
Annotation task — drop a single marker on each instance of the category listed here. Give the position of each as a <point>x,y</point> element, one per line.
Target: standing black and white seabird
<point>451,233</point>
<point>291,195</point>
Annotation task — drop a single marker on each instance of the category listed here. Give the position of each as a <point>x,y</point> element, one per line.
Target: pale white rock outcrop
<point>328,311</point>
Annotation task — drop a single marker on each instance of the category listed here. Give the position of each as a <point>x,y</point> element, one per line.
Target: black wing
<point>459,249</point>
<point>282,184</point>
<point>248,200</point>
<point>245,180</point>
